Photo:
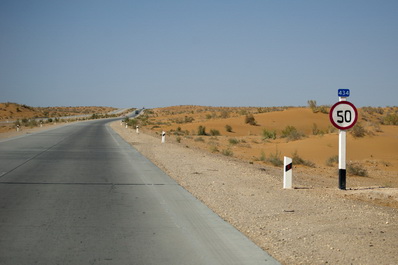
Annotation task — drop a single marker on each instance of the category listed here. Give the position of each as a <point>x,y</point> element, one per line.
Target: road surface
<point>80,194</point>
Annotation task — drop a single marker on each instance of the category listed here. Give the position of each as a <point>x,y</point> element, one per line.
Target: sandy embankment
<point>299,226</point>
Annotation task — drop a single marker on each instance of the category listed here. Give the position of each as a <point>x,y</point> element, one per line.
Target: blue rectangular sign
<point>343,92</point>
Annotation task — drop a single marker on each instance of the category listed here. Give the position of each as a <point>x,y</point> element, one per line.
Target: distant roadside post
<point>287,173</point>
<point>343,115</point>
<point>163,137</point>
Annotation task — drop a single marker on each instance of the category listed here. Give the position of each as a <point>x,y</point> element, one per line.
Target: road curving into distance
<point>80,194</point>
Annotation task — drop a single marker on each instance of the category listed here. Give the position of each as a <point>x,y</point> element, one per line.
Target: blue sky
<point>218,53</point>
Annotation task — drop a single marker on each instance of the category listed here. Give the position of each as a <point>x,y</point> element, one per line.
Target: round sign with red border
<point>343,115</point>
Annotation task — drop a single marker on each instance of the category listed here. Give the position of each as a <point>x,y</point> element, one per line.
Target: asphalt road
<point>80,194</point>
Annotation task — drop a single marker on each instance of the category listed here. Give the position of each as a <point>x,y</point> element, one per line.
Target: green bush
<point>275,159</point>
<point>291,133</point>
<point>297,160</point>
<point>268,134</point>
<point>233,141</point>
<point>391,119</point>
<point>227,152</point>
<point>202,130</point>
<point>214,132</point>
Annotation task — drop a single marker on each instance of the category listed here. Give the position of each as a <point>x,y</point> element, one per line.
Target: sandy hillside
<point>376,152</point>
<point>10,112</point>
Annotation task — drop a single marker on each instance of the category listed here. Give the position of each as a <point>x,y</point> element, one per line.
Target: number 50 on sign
<point>343,115</point>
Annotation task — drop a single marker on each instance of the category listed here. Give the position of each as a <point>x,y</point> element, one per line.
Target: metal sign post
<point>343,116</point>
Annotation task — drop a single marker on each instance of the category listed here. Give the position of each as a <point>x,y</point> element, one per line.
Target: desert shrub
<point>372,110</point>
<point>291,133</point>
<point>357,170</point>
<point>268,134</point>
<point>202,130</point>
<point>224,114</point>
<point>358,131</point>
<point>297,160</point>
<point>178,139</point>
<point>331,161</point>
<point>233,141</point>
<point>227,152</point>
<point>316,130</point>
<point>390,119</point>
<point>214,149</point>
<point>262,156</point>
<point>249,118</point>
<point>275,159</point>
<point>186,119</point>
<point>315,108</point>
<point>133,123</point>
<point>199,139</point>
<point>331,129</point>
<point>312,105</point>
<point>214,132</point>
<point>228,128</point>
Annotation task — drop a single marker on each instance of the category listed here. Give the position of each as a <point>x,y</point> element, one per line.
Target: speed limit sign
<point>343,115</point>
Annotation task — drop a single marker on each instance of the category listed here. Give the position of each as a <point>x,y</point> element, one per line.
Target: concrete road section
<point>80,194</point>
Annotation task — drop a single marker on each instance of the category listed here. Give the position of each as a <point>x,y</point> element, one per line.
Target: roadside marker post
<point>343,115</point>
<point>163,137</point>
<point>18,128</point>
<point>137,130</point>
<point>287,173</point>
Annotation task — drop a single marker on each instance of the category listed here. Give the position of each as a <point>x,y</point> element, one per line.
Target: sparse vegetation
<point>202,130</point>
<point>358,131</point>
<point>214,149</point>
<point>233,141</point>
<point>316,130</point>
<point>275,159</point>
<point>227,152</point>
<point>391,119</point>
<point>249,119</point>
<point>332,161</point>
<point>199,139</point>
<point>297,160</point>
<point>214,132</point>
<point>228,128</point>
<point>315,109</point>
<point>291,133</point>
<point>268,134</point>
<point>357,170</point>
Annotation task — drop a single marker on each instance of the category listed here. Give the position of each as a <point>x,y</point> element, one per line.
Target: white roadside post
<point>126,125</point>
<point>343,116</point>
<point>287,173</point>
<point>137,129</point>
<point>163,137</point>
<point>17,127</point>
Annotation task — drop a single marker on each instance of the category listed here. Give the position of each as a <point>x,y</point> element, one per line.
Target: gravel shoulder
<point>305,225</point>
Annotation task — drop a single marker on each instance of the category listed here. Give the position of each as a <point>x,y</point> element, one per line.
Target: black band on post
<point>342,179</point>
